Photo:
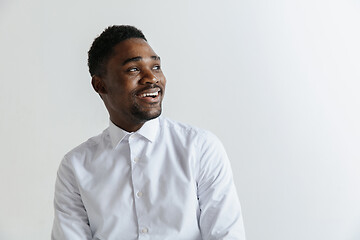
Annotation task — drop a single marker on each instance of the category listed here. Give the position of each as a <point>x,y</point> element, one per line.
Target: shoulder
<point>180,128</point>
<point>88,148</point>
<point>198,135</point>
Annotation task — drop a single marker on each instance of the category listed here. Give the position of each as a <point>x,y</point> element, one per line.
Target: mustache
<point>150,86</point>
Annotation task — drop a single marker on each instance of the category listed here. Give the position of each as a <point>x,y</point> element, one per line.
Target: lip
<point>147,95</point>
<point>149,91</point>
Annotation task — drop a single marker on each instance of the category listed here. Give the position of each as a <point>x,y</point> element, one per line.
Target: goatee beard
<point>143,115</point>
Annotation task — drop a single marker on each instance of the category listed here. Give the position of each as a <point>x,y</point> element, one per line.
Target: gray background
<point>276,81</point>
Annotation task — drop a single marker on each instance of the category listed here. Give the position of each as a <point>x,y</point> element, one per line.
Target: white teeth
<point>149,94</point>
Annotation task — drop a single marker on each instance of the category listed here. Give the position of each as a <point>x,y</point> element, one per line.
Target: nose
<point>149,78</point>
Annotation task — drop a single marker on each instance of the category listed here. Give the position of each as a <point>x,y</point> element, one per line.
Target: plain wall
<point>276,81</point>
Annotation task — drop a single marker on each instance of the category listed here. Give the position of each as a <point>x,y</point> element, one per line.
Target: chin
<point>147,115</point>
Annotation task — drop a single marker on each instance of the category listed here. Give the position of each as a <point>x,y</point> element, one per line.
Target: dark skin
<point>133,87</point>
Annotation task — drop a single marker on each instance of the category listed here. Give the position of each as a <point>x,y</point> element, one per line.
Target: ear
<point>98,84</point>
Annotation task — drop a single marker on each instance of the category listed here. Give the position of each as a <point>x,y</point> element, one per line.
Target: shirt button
<point>136,159</point>
<point>139,194</point>
<point>144,230</point>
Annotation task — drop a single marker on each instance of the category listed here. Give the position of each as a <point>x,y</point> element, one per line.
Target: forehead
<point>133,47</point>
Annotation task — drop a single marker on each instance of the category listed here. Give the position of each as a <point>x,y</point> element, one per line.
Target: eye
<point>132,69</point>
<point>157,67</point>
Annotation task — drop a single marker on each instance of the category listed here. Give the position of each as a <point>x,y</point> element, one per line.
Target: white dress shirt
<point>166,181</point>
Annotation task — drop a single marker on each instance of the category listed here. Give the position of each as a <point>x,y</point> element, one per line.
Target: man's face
<point>134,84</point>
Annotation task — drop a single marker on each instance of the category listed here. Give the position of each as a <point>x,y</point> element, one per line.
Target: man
<point>145,176</point>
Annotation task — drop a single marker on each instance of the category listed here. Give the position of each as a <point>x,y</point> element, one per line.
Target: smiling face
<point>133,85</point>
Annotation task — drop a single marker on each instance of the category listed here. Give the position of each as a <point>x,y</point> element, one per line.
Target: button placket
<point>137,147</point>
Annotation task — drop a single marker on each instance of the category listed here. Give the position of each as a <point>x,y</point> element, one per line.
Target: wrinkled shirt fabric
<point>167,180</point>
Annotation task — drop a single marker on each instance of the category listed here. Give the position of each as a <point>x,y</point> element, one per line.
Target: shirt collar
<point>148,130</point>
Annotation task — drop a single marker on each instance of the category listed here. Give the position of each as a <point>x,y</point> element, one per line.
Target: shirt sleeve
<point>70,220</point>
<point>220,211</point>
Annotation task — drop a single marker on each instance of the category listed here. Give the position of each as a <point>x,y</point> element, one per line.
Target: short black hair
<point>102,47</point>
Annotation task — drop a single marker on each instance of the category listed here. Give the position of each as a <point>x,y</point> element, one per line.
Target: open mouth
<point>151,95</point>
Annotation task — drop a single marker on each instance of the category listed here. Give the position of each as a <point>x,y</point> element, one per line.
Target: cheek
<point>122,89</point>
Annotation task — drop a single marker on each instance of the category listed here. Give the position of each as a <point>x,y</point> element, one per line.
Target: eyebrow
<point>138,58</point>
